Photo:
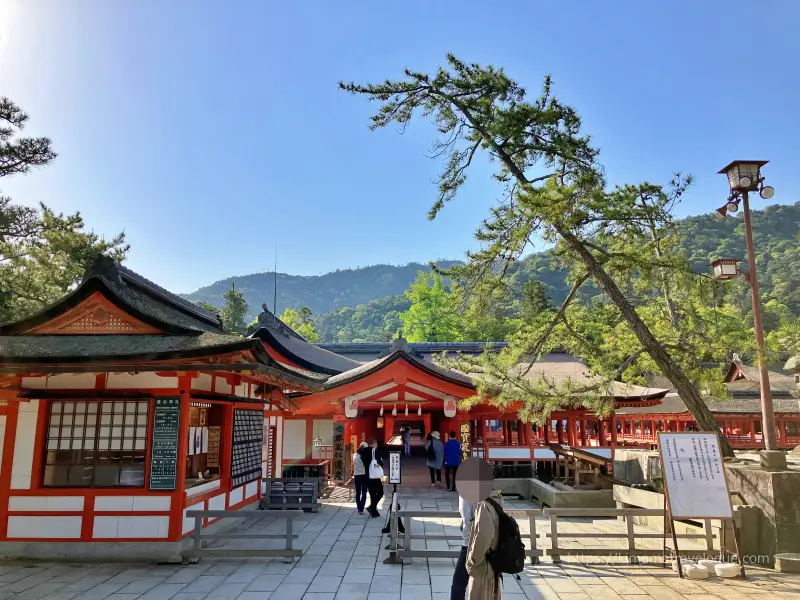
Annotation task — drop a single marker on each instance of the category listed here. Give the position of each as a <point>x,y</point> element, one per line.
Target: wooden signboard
<point>695,486</point>
<point>164,455</point>
<point>214,443</point>
<point>338,466</point>
<point>466,442</point>
<point>395,475</point>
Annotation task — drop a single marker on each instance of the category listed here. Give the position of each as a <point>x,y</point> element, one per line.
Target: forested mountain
<point>364,304</point>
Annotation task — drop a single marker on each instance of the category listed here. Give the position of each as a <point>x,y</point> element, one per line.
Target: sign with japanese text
<point>466,442</point>
<point>694,476</point>
<point>164,454</point>
<point>394,468</point>
<point>338,466</point>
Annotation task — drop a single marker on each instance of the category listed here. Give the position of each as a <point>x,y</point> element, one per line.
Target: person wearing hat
<point>434,456</point>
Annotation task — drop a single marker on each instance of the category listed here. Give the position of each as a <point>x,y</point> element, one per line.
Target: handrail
<point>251,515</point>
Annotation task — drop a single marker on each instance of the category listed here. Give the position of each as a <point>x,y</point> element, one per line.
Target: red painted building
<point>121,407</point>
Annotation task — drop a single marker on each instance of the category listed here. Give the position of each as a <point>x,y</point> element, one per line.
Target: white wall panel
<point>294,442</point>
<point>44,527</point>
<point>279,447</point>
<point>117,381</point>
<point>45,503</point>
<point>221,386</point>
<point>202,382</point>
<point>323,429</point>
<point>251,489</point>
<point>235,496</point>
<point>2,437</point>
<point>22,464</point>
<point>217,503</point>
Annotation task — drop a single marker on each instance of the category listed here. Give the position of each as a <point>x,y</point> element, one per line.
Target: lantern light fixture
<point>744,175</point>
<point>723,269</point>
<point>379,423</point>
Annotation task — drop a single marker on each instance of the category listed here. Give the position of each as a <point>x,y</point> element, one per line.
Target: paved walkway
<point>343,561</point>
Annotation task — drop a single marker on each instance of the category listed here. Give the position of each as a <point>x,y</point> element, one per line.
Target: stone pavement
<point>343,561</point>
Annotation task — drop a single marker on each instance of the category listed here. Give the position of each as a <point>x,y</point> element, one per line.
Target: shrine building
<point>122,406</point>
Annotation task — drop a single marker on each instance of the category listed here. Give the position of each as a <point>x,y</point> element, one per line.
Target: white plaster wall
<point>2,436</point>
<point>63,381</point>
<point>22,465</point>
<point>236,496</point>
<point>44,527</point>
<point>217,503</point>
<point>241,390</point>
<point>202,382</point>
<point>116,381</point>
<point>132,503</point>
<point>279,446</point>
<point>294,441</point>
<point>45,503</point>
<point>130,527</point>
<point>221,386</point>
<point>323,428</point>
<point>251,489</point>
<point>188,522</point>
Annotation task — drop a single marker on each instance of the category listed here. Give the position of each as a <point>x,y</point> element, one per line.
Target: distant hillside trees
<point>302,322</point>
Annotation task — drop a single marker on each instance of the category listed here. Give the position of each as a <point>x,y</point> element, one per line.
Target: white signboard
<point>694,476</point>
<point>394,468</point>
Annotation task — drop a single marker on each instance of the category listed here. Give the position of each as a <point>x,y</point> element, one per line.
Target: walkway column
<point>547,427</point>
<point>584,420</point>
<point>613,425</point>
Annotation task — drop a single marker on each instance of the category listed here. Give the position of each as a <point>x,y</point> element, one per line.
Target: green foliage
<point>302,322</point>
<point>433,314</point>
<point>234,311</point>
<point>374,321</point>
<point>208,306</point>
<point>621,238</point>
<point>43,254</point>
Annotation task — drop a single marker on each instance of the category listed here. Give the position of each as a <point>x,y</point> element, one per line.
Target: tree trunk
<point>685,388</point>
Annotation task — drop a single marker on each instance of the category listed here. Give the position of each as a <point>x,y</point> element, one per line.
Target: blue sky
<point>213,131</point>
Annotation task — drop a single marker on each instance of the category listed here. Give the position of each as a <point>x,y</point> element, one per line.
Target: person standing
<point>484,583</point>
<point>374,466</point>
<point>458,589</point>
<point>452,459</point>
<point>407,440</point>
<point>434,457</point>
<point>360,478</point>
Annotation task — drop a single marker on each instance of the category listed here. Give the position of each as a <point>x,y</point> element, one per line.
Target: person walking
<point>374,466</point>
<point>458,589</point>
<point>452,459</point>
<point>434,457</point>
<point>407,440</point>
<point>484,583</point>
<point>360,478</point>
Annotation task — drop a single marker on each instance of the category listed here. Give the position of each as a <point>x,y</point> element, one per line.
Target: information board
<point>466,441</point>
<point>394,468</point>
<point>214,442</point>
<point>248,434</point>
<point>694,475</point>
<point>164,456</point>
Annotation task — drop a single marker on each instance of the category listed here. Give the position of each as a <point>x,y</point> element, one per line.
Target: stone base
<point>555,498</point>
<point>787,562</point>
<point>772,459</point>
<point>151,552</point>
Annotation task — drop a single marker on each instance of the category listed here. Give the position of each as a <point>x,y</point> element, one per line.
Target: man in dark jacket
<point>452,459</point>
<point>375,485</point>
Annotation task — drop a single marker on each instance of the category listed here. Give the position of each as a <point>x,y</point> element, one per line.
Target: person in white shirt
<point>361,479</point>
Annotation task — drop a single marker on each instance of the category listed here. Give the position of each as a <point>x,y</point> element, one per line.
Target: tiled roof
<point>376,365</point>
<point>674,404</point>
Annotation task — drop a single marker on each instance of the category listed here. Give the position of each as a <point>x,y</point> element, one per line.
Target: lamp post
<point>744,176</point>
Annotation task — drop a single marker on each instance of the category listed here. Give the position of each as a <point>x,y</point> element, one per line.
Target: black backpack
<point>430,453</point>
<point>509,557</point>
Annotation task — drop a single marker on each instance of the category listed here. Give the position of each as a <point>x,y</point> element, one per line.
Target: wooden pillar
<point>584,421</point>
<point>781,432</point>
<point>559,428</point>
<point>547,426</point>
<point>613,425</point>
<point>572,422</point>
<point>528,434</point>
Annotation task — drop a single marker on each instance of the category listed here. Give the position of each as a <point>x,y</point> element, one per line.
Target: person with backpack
<point>452,458</point>
<point>407,440</point>
<point>495,548</point>
<point>434,456</point>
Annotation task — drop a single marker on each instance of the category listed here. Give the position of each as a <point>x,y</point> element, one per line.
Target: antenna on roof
<point>275,288</point>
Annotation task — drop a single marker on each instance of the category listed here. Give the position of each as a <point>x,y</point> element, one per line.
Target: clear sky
<point>213,131</point>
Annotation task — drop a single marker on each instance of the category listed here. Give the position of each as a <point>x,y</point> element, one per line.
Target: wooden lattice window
<point>96,443</point>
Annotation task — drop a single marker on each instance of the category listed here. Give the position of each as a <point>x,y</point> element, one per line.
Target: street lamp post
<point>744,176</point>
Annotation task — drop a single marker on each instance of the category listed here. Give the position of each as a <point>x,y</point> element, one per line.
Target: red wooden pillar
<point>559,428</point>
<point>572,429</point>
<point>547,426</point>
<point>781,433</point>
<point>613,425</point>
<point>528,434</point>
<point>584,421</point>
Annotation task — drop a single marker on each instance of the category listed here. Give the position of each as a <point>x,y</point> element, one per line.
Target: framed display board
<point>164,455</point>
<point>248,436</point>
<point>695,486</point>
<point>339,465</point>
<point>395,473</point>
